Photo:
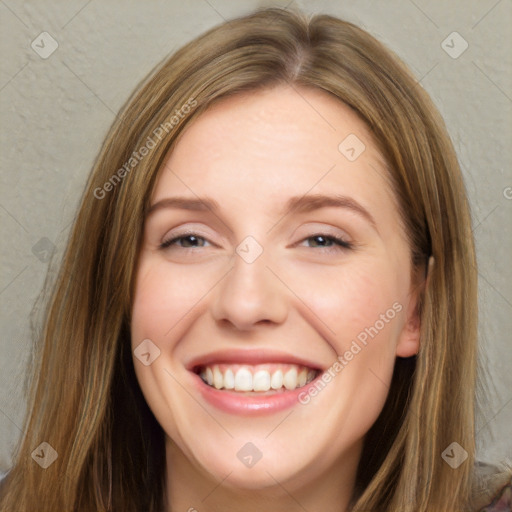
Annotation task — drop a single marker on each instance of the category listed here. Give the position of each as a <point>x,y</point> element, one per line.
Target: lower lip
<point>241,403</point>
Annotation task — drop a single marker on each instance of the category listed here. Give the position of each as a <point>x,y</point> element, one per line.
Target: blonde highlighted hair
<point>84,397</point>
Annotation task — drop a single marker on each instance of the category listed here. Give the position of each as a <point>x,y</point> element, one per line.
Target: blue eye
<point>192,240</point>
<point>338,243</point>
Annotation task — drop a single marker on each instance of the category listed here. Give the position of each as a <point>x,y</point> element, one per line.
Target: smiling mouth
<point>259,378</point>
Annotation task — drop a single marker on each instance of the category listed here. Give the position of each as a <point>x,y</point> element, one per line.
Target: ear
<point>409,339</point>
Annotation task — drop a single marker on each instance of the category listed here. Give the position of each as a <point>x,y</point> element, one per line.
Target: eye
<point>191,240</point>
<point>337,243</point>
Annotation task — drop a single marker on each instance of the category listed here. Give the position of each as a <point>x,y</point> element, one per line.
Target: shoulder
<point>492,488</point>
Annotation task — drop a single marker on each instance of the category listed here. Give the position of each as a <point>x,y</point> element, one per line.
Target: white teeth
<point>243,380</point>
<point>229,379</point>
<point>302,377</point>
<point>261,381</point>
<point>257,378</point>
<point>218,379</point>
<point>290,379</point>
<point>277,380</point>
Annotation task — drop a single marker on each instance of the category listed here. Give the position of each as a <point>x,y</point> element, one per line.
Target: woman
<point>250,369</point>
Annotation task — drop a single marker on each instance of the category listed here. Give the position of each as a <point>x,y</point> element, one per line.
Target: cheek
<point>350,300</point>
<point>362,308</point>
<point>163,298</point>
<point>166,299</point>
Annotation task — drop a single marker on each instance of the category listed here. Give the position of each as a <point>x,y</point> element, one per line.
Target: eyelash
<point>340,243</point>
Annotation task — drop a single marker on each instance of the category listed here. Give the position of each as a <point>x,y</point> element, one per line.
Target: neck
<point>191,489</point>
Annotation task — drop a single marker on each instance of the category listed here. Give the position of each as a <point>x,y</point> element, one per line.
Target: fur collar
<point>492,488</point>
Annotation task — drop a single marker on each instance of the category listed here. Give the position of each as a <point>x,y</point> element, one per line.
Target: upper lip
<point>249,357</point>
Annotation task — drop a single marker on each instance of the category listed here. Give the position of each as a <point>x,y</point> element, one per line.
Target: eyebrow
<point>298,204</point>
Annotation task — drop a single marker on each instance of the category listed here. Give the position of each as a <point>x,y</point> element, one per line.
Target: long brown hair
<point>84,398</point>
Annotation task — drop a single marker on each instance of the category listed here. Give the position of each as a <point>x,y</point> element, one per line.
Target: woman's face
<point>294,332</point>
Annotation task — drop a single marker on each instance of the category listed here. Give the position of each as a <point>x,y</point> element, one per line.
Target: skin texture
<point>301,296</point>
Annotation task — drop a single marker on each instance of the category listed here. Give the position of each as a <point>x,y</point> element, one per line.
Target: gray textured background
<point>55,112</point>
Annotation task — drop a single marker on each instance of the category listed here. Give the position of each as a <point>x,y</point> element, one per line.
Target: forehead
<point>267,145</point>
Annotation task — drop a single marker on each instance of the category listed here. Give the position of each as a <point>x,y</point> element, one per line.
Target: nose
<point>250,294</point>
